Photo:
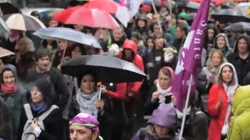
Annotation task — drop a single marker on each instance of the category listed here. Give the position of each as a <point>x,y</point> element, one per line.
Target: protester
<point>240,58</point>
<point>24,56</point>
<point>85,123</point>
<point>220,97</point>
<point>237,129</point>
<point>118,37</point>
<point>161,92</point>
<point>88,99</point>
<point>40,118</point>
<point>13,94</point>
<point>162,124</point>
<point>43,69</point>
<point>221,43</point>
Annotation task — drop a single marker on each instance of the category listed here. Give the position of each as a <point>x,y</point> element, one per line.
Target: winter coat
<point>123,89</point>
<point>238,129</point>
<point>52,125</point>
<point>242,66</point>
<point>217,117</point>
<point>5,122</point>
<point>14,101</point>
<point>220,93</point>
<point>165,115</point>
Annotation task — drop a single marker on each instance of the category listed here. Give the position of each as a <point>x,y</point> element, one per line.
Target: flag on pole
<point>127,10</point>
<point>190,56</point>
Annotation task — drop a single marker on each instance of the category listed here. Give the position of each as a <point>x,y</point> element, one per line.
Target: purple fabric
<point>190,56</point>
<point>84,118</point>
<point>147,136</point>
<point>165,115</point>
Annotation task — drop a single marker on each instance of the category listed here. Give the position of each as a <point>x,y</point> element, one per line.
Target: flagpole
<point>158,17</point>
<point>186,106</point>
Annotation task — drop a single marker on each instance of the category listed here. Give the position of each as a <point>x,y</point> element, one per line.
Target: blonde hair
<point>27,43</point>
<point>150,129</point>
<point>209,63</point>
<point>220,79</point>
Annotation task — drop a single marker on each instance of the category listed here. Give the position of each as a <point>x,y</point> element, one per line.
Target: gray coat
<point>14,101</point>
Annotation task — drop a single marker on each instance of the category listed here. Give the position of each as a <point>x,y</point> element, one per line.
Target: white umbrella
<point>59,33</point>
<point>5,52</point>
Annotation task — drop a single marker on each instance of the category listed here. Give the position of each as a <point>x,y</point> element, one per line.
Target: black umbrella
<point>8,8</point>
<point>246,26</point>
<point>230,15</point>
<point>108,68</point>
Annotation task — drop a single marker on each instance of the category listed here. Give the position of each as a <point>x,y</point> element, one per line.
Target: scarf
<point>39,109</point>
<point>87,102</point>
<point>164,92</point>
<point>9,90</point>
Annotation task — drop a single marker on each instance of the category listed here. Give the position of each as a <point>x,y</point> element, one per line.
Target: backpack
<point>27,134</point>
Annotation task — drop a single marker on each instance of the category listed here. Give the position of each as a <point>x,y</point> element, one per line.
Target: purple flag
<point>190,56</point>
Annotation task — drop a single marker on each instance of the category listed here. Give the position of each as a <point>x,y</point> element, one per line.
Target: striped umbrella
<point>22,22</point>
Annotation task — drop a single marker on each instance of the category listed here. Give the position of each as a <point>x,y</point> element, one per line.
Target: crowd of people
<point>36,103</point>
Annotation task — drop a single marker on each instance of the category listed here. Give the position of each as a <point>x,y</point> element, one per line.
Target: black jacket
<point>242,66</point>
<point>52,125</point>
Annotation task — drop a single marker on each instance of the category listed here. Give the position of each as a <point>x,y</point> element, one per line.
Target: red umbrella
<point>88,17</point>
<point>105,5</point>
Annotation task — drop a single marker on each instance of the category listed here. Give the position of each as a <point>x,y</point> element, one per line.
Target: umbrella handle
<point>100,93</point>
<point>64,51</point>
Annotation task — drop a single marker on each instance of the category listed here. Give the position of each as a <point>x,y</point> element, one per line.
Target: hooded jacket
<point>218,93</point>
<point>242,66</point>
<point>123,89</point>
<point>14,101</point>
<point>227,50</point>
<point>238,129</point>
<point>165,115</point>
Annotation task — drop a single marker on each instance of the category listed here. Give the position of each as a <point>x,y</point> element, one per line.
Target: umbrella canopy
<point>230,15</point>
<point>102,5</point>
<point>23,22</point>
<point>246,26</point>
<point>109,68</point>
<point>44,13</point>
<point>92,17</point>
<point>4,29</point>
<point>59,33</point>
<point>5,52</point>
<point>7,8</point>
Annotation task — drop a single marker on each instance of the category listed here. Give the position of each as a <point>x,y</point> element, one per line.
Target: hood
<point>129,44</point>
<point>236,84</point>
<point>241,100</point>
<point>165,115</point>
<point>172,75</point>
<point>13,69</point>
<point>246,37</point>
<point>225,37</point>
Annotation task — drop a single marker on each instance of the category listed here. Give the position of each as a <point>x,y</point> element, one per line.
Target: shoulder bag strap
<point>46,113</point>
<point>28,111</point>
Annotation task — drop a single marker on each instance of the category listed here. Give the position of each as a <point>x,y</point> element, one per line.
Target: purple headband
<point>84,119</point>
